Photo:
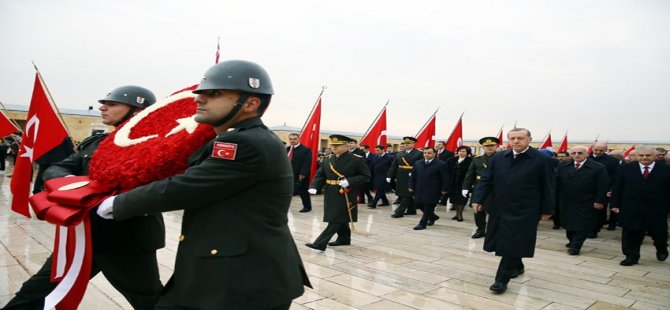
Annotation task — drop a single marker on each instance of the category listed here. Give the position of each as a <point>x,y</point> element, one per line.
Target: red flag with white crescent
<point>456,137</point>
<point>6,126</point>
<point>547,143</point>
<point>426,137</point>
<point>377,133</point>
<point>309,136</point>
<point>564,145</point>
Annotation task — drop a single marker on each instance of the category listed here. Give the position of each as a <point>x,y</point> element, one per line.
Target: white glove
<point>312,191</point>
<point>388,180</point>
<point>105,210</point>
<point>465,192</point>
<point>344,183</point>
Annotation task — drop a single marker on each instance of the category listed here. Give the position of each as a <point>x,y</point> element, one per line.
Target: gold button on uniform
<point>214,251</point>
<point>181,238</point>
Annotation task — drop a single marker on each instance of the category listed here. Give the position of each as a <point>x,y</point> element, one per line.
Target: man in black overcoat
<point>428,181</point>
<point>641,197</point>
<point>342,173</point>
<point>400,168</point>
<point>300,157</point>
<point>612,166</point>
<point>523,185</point>
<point>380,167</point>
<point>235,250</point>
<point>582,190</point>
<point>443,155</point>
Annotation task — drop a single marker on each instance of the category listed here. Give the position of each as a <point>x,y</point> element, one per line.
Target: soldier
<point>235,250</point>
<point>400,168</point>
<point>342,174</point>
<point>472,177</point>
<point>125,252</point>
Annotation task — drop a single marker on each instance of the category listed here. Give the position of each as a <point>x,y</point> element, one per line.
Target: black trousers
<point>631,240</point>
<point>480,220</point>
<point>164,304</point>
<point>406,205</point>
<point>135,275</point>
<point>576,238</point>
<point>381,194</point>
<point>341,229</point>
<point>428,212</point>
<point>365,192</point>
<point>507,266</point>
<point>301,190</point>
<point>614,219</point>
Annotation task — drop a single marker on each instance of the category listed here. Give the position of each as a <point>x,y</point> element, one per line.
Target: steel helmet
<point>240,75</point>
<point>131,95</point>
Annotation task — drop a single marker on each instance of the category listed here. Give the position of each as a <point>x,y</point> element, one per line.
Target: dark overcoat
<point>522,189</point>
<point>380,167</point>
<point>235,250</point>
<point>301,164</point>
<point>578,191</point>
<point>644,204</point>
<point>457,173</point>
<point>401,167</point>
<point>429,181</point>
<point>334,168</point>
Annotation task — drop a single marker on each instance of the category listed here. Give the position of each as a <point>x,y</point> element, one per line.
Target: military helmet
<point>240,75</point>
<point>131,95</point>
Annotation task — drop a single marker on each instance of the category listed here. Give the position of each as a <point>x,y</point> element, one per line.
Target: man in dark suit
<point>612,166</point>
<point>641,197</point>
<point>354,149</point>
<point>300,157</point>
<point>125,252</point>
<point>523,185</point>
<point>367,187</point>
<point>341,174</point>
<point>235,250</point>
<point>400,168</point>
<point>380,167</point>
<point>582,190</point>
<point>428,181</point>
<point>443,154</point>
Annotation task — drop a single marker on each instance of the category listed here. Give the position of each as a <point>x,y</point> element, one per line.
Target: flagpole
<point>313,108</point>
<point>4,109</point>
<point>376,118</point>
<point>545,138</point>
<point>53,104</point>
<point>427,122</point>
<point>452,131</point>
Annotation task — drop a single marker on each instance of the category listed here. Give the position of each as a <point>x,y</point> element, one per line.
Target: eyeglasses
<point>576,153</point>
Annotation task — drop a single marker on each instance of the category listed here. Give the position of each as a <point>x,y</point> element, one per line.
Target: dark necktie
<point>577,166</point>
<point>645,174</point>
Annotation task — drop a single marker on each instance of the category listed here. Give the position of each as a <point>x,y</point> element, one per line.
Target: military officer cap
<point>339,139</point>
<point>408,140</point>
<point>489,141</point>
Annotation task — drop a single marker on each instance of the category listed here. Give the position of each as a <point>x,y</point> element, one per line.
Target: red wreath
<point>125,168</point>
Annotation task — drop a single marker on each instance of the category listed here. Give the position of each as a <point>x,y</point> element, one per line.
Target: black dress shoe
<point>567,245</point>
<point>662,256</point>
<point>384,204</point>
<point>419,227</point>
<point>303,210</point>
<point>410,213</point>
<point>517,273</point>
<point>316,247</point>
<point>592,235</point>
<point>455,217</point>
<point>611,227</point>
<point>573,251</point>
<point>556,227</point>
<point>396,216</point>
<point>452,208</point>
<point>478,235</point>
<point>396,202</point>
<point>628,262</point>
<point>371,206</point>
<point>460,219</point>
<point>431,222</point>
<point>338,243</point>
<point>498,287</point>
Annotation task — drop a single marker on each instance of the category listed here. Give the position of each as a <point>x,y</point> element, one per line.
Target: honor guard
<point>342,174</point>
<point>400,168</point>
<point>472,177</point>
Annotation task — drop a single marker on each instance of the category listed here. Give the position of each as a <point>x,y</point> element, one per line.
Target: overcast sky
<point>590,67</point>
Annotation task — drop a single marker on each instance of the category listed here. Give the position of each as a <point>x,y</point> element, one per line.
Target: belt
<point>405,167</point>
<point>333,182</point>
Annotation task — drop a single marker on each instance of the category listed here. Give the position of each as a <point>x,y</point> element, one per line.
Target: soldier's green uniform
<point>333,170</point>
<point>477,167</point>
<point>400,168</point>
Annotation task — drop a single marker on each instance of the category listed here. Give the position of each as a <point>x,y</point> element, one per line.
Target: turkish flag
<point>564,145</point>
<point>44,131</point>
<point>456,137</point>
<point>500,137</point>
<point>547,143</point>
<point>377,133</point>
<point>309,136</point>
<point>426,136</point>
<point>628,151</point>
<point>6,126</point>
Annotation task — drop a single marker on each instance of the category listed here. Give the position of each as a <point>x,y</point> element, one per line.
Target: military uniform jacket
<point>644,203</point>
<point>474,174</point>
<point>352,168</point>
<point>577,191</point>
<point>523,188</point>
<point>235,249</point>
<point>401,167</point>
<point>142,233</point>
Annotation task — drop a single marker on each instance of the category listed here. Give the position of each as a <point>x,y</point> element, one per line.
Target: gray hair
<point>519,129</point>
<point>646,148</point>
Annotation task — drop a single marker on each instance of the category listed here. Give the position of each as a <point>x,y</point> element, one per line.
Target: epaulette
<point>359,156</point>
<point>91,139</point>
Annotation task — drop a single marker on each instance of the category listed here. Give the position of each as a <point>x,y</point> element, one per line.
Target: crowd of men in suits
<point>516,188</point>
